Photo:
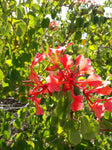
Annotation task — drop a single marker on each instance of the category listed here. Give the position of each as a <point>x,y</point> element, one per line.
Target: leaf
<point>9,62</point>
<point>95,19</point>
<point>20,30</point>
<point>62,107</point>
<point>69,125</point>
<point>54,120</point>
<point>4,6</point>
<point>106,124</point>
<point>17,123</point>
<point>14,75</point>
<point>31,144</point>
<point>74,137</point>
<point>35,8</point>
<point>79,22</point>
<point>28,1</point>
<point>20,12</point>
<point>60,129</point>
<point>7,134</point>
<point>45,23</point>
<point>93,47</point>
<point>21,144</point>
<point>84,124</point>
<point>107,115</point>
<point>1,75</point>
<point>78,35</point>
<point>53,14</point>
<point>89,128</point>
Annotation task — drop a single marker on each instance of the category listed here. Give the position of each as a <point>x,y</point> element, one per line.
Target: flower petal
<point>52,68</point>
<point>94,80</point>
<point>77,102</point>
<point>39,110</point>
<point>66,61</point>
<point>104,90</point>
<point>84,64</point>
<point>52,83</point>
<point>99,110</point>
<point>108,106</point>
<point>38,58</point>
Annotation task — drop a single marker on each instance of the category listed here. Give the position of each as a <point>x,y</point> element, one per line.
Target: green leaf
<point>4,6</point>
<point>45,23</point>
<point>17,123</point>
<point>20,12</point>
<point>69,125</point>
<point>107,115</point>
<point>93,47</point>
<point>28,1</point>
<point>1,75</point>
<point>6,134</point>
<point>31,144</point>
<point>79,22</point>
<point>21,145</point>
<point>54,120</point>
<point>89,128</point>
<point>35,8</point>
<point>106,124</point>
<point>84,124</point>
<point>63,106</point>
<point>86,24</point>
<point>20,30</point>
<point>74,137</point>
<point>8,62</point>
<point>14,75</point>
<point>53,14</point>
<point>78,35</point>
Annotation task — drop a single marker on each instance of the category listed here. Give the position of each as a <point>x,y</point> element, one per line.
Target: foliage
<point>23,27</point>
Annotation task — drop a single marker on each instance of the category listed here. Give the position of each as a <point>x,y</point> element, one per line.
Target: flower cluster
<point>86,1</point>
<point>53,25</point>
<point>63,75</point>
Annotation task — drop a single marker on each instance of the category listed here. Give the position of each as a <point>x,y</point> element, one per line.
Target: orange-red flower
<point>63,75</point>
<point>53,25</point>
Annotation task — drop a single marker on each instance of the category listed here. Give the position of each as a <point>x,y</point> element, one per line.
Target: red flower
<point>77,103</point>
<point>39,110</point>
<point>108,106</point>
<point>84,65</point>
<point>52,83</point>
<point>100,88</point>
<point>66,61</point>
<point>104,89</point>
<point>61,77</point>
<point>53,25</point>
<point>38,58</point>
<point>99,110</point>
<point>93,80</point>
